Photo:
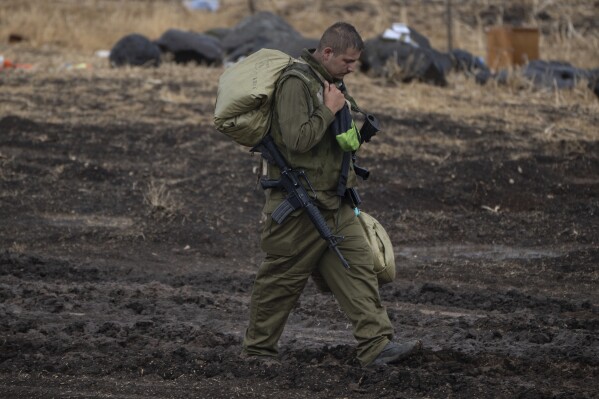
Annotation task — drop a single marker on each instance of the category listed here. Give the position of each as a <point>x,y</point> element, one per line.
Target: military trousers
<point>294,250</point>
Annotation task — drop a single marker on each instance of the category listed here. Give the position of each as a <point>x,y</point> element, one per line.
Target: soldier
<point>308,100</point>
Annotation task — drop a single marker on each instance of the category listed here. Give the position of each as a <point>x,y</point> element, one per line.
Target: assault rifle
<point>297,196</point>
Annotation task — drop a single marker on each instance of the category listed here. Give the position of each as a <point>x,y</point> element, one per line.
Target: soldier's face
<point>339,65</point>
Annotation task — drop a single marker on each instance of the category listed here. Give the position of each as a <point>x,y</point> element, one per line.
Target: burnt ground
<point>129,241</point>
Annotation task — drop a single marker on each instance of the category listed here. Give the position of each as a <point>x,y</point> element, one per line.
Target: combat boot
<point>394,352</point>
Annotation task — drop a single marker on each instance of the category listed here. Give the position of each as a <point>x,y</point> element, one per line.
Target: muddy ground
<point>129,240</point>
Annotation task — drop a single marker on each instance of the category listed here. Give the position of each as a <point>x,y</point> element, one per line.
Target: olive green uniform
<point>294,249</point>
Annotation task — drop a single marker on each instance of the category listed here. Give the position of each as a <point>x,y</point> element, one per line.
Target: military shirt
<point>300,128</point>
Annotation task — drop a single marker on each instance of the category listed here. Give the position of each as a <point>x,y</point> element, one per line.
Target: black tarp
<point>263,30</point>
<point>191,46</point>
<point>134,49</point>
<point>553,74</point>
<point>415,62</point>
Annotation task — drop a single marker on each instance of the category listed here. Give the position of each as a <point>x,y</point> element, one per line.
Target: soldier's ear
<point>327,53</point>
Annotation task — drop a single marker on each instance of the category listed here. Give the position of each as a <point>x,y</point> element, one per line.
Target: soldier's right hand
<point>333,97</point>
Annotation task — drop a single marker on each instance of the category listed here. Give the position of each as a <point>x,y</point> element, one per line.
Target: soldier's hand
<point>333,97</point>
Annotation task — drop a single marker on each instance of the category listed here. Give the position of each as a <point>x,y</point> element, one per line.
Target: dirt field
<point>129,240</point>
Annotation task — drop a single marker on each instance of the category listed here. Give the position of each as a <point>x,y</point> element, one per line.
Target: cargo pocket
<point>283,239</point>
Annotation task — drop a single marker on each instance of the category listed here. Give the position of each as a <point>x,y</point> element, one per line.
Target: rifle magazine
<point>283,210</point>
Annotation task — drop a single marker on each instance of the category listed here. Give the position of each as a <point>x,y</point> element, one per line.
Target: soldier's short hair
<point>341,36</point>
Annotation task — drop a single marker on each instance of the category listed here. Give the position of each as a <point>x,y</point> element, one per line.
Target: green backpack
<point>244,98</point>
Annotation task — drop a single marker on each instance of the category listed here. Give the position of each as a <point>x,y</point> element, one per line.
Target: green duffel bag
<point>382,249</point>
<point>244,97</point>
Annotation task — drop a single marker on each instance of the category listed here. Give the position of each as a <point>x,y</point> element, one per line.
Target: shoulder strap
<point>303,71</point>
<point>306,74</point>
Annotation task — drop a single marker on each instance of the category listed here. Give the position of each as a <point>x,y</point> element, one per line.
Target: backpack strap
<point>306,74</point>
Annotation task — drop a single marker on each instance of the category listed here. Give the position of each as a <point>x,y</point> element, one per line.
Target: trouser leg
<point>294,249</point>
<point>273,297</point>
<point>292,252</point>
<point>356,289</point>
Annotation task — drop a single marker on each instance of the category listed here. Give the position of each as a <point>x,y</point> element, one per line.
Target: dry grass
<point>512,103</point>
<point>67,32</point>
<point>95,24</point>
<point>160,200</point>
<point>89,25</point>
<point>18,248</point>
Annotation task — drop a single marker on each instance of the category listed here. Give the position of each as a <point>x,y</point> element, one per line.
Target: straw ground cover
<point>569,27</point>
<point>68,32</point>
<point>129,233</point>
